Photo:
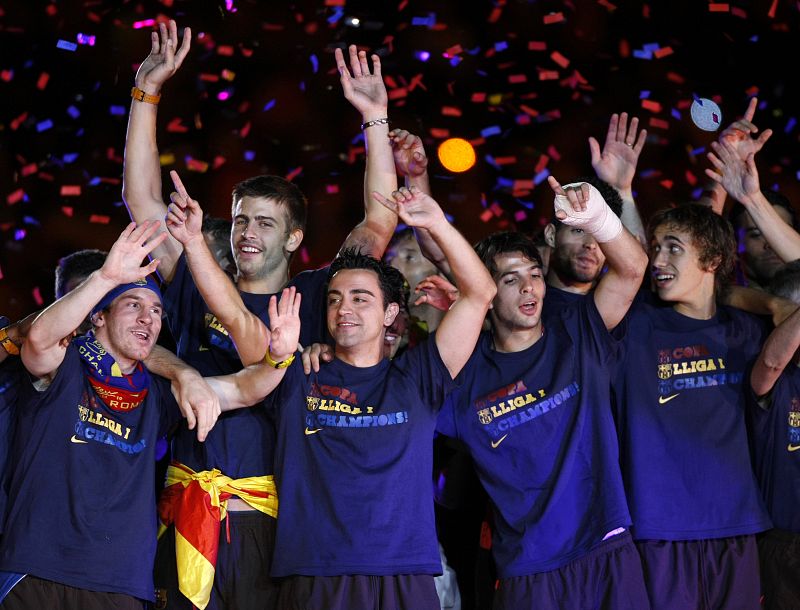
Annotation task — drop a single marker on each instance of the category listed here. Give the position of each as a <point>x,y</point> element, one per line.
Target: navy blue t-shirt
<point>242,442</point>
<point>10,376</point>
<point>540,428</point>
<point>82,508</point>
<point>681,417</point>
<point>557,300</point>
<point>353,466</point>
<point>775,435</point>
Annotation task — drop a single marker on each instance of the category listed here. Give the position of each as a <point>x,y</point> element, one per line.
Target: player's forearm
<point>379,176</point>
<point>782,238</point>
<point>223,299</point>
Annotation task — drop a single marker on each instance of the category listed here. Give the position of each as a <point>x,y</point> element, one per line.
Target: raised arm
<point>458,331</point>
<point>44,348</point>
<point>776,354</point>
<point>366,91</point>
<point>616,164</point>
<point>141,188</point>
<point>252,384</point>
<point>740,179</point>
<point>583,206</point>
<point>184,221</point>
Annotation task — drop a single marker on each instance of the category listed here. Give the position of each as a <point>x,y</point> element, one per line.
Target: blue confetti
<point>790,125</point>
<point>698,151</point>
<point>117,110</point>
<point>66,45</point>
<point>249,155</point>
<point>314,63</point>
<point>73,112</point>
<point>454,61</point>
<point>44,125</point>
<point>639,54</point>
<point>541,176</point>
<point>428,21</point>
<point>500,46</point>
<point>505,182</point>
<point>94,181</point>
<point>30,220</point>
<point>644,95</point>
<point>490,131</point>
<point>338,13</point>
<point>675,114</point>
<point>525,204</point>
<point>19,234</point>
<point>269,105</point>
<point>69,157</point>
<point>651,47</point>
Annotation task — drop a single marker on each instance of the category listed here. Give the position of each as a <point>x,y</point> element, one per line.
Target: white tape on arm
<point>597,219</point>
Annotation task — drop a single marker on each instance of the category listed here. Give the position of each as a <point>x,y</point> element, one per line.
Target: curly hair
<point>711,234</point>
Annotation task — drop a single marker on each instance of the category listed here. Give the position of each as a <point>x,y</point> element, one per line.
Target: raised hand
<point>409,153</point>
<point>184,216</point>
<point>362,88</point>
<point>616,163</point>
<point>124,261</point>
<point>284,324</point>
<point>739,177</point>
<point>577,196</point>
<point>314,355</point>
<point>436,292</point>
<point>414,207</point>
<point>739,134</point>
<point>163,60</point>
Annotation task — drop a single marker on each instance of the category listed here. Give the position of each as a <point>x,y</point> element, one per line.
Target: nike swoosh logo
<point>314,431</point>
<point>75,439</point>
<point>662,400</point>
<point>793,447</point>
<point>498,441</point>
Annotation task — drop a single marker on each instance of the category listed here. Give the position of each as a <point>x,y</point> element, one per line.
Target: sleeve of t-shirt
<point>170,412</point>
<point>425,364</point>
<point>311,285</point>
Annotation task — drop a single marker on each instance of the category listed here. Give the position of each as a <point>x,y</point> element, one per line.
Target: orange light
<point>456,155</point>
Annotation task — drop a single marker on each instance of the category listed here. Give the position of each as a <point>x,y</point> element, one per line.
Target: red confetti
<point>15,197</point>
<point>553,18</point>
<point>294,173</point>
<point>7,75</point>
<point>486,215</point>
<point>654,122</point>
<point>225,49</point>
<point>608,5</point>
<point>559,59</point>
<point>548,75</point>
<point>70,190</point>
<point>99,219</point>
<point>29,169</point>
<point>195,165</point>
<point>536,45</point>
<point>651,105</point>
<point>439,133</point>
<point>772,9</point>
<point>667,184</point>
<point>37,296</point>
<point>717,7</point>
<point>67,210</point>
<point>541,164</point>
<point>332,189</point>
<point>517,78</point>
<point>528,110</point>
<point>663,52</point>
<point>16,122</point>
<point>478,97</point>
<point>176,126</point>
<point>42,82</point>
<point>691,178</point>
<point>675,78</point>
<point>451,111</point>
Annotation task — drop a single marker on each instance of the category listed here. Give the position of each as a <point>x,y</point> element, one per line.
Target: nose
<point>247,229</point>
<point>146,316</point>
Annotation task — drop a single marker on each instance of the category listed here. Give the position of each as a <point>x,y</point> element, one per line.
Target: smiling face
<point>356,314</point>
<point>675,265</point>
<point>129,328</point>
<point>520,293</point>
<point>260,238</point>
<point>576,258</point>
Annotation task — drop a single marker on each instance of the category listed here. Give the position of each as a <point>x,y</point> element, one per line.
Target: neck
<point>126,365</point>
<point>506,340</point>
<point>360,356</point>
<point>557,281</point>
<point>699,309</point>
<point>274,282</point>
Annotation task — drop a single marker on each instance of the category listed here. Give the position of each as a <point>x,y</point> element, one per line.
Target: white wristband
<point>597,219</point>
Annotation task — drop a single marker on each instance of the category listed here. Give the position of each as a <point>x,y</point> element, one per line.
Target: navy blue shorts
<point>401,592</point>
<point>32,592</point>
<point>609,577</point>
<point>779,554</point>
<point>242,577</point>
<point>715,574</point>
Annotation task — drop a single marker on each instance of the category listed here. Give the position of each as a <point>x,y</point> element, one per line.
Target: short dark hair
<point>393,285</point>
<point>711,234</point>
<point>504,242</point>
<point>775,199</point>
<point>786,282</point>
<point>78,264</point>
<point>279,189</point>
<point>609,193</point>
<point>218,228</point>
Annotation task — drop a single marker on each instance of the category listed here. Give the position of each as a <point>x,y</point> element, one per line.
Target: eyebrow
<point>673,238</point>
<point>353,291</point>
<point>138,299</point>
<point>517,271</point>
<point>245,216</point>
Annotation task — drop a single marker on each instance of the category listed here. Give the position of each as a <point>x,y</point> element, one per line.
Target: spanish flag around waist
<point>196,502</point>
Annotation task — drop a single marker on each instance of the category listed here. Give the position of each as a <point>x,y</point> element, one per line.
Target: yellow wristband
<point>11,347</point>
<point>140,95</point>
<point>277,365</point>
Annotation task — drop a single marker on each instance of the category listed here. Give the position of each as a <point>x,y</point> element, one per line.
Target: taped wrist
<point>598,219</point>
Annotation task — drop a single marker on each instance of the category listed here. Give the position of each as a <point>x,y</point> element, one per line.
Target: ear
<point>390,314</point>
<point>714,264</point>
<point>294,240</point>
<point>98,319</point>
<point>550,234</point>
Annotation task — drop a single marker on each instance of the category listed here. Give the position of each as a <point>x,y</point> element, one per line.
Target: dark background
<point>725,52</point>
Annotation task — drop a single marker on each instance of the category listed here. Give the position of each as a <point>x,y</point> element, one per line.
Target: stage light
<point>456,155</point>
